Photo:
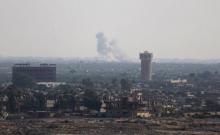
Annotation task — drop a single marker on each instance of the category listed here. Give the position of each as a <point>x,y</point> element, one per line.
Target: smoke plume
<point>108,50</point>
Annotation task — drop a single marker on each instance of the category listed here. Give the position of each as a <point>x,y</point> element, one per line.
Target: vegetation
<point>91,100</point>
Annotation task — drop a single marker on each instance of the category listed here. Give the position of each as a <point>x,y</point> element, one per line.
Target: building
<point>51,84</point>
<point>42,73</point>
<point>146,66</point>
<point>118,109</point>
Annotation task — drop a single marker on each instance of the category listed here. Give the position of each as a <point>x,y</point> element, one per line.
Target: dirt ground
<point>91,126</point>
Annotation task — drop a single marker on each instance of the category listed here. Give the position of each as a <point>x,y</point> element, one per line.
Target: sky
<point>184,29</point>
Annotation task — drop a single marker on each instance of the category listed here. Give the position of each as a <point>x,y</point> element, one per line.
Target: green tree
<point>91,101</point>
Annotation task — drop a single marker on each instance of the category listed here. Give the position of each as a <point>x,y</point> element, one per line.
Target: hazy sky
<point>67,28</point>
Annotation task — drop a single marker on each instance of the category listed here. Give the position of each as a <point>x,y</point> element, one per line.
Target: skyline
<point>56,28</point>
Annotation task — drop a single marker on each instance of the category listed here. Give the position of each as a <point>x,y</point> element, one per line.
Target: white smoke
<point>109,50</point>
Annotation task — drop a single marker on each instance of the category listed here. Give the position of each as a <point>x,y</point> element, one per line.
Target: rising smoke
<point>108,50</point>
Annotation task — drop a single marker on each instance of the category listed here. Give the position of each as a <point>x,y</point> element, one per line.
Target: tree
<point>212,105</point>
<point>192,75</point>
<point>41,101</point>
<point>65,87</point>
<point>66,102</point>
<point>12,101</point>
<point>87,83</point>
<point>91,101</point>
<point>41,87</point>
<point>72,71</point>
<point>126,84</point>
<point>115,82</point>
<point>206,74</point>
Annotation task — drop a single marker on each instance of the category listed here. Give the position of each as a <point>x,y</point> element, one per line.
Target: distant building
<point>51,84</point>
<point>42,73</point>
<point>178,81</point>
<point>146,66</point>
<point>50,103</point>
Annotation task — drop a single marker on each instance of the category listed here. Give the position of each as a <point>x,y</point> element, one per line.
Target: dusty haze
<point>67,28</point>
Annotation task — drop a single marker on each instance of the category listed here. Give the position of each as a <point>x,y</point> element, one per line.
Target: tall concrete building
<point>146,66</point>
<point>42,73</point>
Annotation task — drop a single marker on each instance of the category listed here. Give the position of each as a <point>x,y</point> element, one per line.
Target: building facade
<point>42,73</point>
<point>146,66</point>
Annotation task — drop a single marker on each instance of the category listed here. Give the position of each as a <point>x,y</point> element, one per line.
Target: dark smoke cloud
<point>109,50</point>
